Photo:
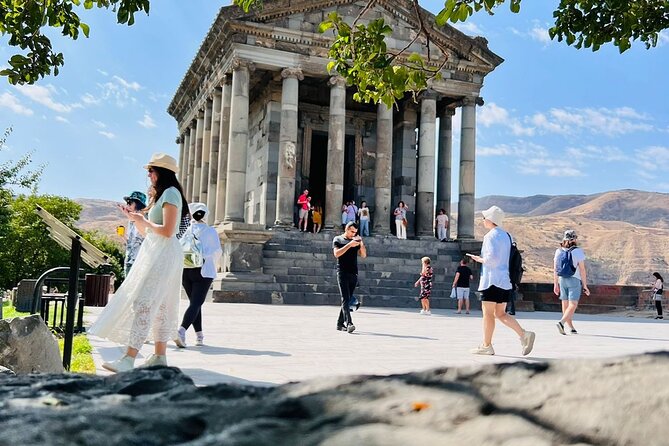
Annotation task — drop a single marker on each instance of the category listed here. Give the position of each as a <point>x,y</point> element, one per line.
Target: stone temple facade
<point>260,119</point>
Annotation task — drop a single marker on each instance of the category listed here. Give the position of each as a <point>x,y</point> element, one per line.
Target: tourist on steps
<point>401,220</point>
<point>569,279</point>
<point>495,284</point>
<point>148,299</point>
<point>463,276</point>
<point>425,282</point>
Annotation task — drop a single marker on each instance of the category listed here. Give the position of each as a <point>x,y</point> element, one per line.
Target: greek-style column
<point>186,164</point>
<point>444,163</point>
<point>285,192</point>
<point>238,141</point>
<point>334,182</point>
<point>197,174</point>
<point>191,160</point>
<point>467,170</point>
<point>206,151</point>
<point>383,169</point>
<point>224,135</point>
<point>426,153</point>
<point>213,155</point>
<point>180,141</point>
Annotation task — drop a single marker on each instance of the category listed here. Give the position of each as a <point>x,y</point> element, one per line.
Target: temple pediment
<point>304,16</point>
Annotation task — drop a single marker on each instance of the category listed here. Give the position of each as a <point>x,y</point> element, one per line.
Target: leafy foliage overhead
<point>359,52</point>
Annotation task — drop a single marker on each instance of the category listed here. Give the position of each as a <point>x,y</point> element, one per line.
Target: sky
<point>556,120</point>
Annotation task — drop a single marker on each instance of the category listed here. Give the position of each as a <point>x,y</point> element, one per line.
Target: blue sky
<point>556,120</point>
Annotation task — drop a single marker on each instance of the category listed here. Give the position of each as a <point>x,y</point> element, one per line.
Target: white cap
<point>494,214</point>
<point>194,207</point>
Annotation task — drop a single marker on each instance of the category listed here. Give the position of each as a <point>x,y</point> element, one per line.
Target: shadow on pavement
<point>203,377</point>
<point>368,333</point>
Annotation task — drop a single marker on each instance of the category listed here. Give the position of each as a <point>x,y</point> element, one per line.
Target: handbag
<point>454,294</point>
<point>405,222</point>
<point>192,249</point>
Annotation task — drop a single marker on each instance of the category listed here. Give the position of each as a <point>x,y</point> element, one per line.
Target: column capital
<point>200,114</point>
<point>448,111</point>
<point>470,101</point>
<point>337,81</point>
<point>429,94</point>
<point>226,79</point>
<point>192,124</point>
<point>179,139</point>
<point>238,64</point>
<point>292,73</point>
<point>217,91</point>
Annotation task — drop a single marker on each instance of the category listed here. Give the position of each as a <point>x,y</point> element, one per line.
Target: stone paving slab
<point>276,344</point>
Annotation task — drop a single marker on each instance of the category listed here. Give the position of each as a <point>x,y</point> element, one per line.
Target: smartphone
<point>469,254</point>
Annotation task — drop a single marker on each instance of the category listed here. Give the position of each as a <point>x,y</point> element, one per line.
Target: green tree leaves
<point>23,21</point>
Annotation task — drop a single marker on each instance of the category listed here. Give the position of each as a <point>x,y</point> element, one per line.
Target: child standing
<point>461,284</point>
<point>425,281</point>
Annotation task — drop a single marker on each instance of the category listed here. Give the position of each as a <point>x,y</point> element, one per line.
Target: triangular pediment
<point>304,16</point>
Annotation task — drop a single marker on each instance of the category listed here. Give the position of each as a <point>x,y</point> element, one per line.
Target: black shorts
<point>495,294</point>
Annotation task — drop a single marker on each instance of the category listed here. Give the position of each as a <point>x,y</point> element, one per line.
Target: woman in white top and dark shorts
<point>495,284</point>
<point>658,288</point>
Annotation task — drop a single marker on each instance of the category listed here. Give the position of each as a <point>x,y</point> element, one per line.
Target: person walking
<point>401,220</point>
<point>303,204</point>
<point>197,280</point>
<point>317,217</point>
<point>569,278</point>
<point>425,282</point>
<point>463,276</point>
<point>658,288</point>
<point>363,214</point>
<point>135,202</point>
<point>346,249</point>
<point>495,284</point>
<point>441,223</point>
<point>148,299</point>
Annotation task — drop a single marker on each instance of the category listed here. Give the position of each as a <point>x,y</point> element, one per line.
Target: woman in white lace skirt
<point>148,300</point>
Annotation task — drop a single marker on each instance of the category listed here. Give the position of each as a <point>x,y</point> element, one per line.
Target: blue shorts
<point>570,288</point>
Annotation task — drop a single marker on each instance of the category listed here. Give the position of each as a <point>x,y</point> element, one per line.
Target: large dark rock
<point>27,346</point>
<point>602,402</point>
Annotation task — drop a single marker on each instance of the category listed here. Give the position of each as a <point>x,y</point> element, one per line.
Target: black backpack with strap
<point>515,264</point>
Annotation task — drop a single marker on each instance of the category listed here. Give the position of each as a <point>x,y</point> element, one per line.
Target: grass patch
<point>8,311</point>
<point>82,354</point>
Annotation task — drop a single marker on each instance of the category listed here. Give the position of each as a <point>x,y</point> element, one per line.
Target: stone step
<point>309,275</point>
<point>440,261</point>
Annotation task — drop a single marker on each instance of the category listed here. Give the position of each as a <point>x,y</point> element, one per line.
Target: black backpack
<point>515,264</point>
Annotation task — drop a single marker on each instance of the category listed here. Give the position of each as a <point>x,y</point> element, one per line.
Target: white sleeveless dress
<point>148,299</point>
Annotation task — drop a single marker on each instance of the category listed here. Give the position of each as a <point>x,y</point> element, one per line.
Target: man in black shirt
<point>461,284</point>
<point>346,248</point>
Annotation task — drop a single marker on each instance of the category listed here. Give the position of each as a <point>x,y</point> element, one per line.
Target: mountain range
<point>625,233</point>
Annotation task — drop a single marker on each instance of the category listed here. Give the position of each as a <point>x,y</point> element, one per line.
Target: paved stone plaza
<point>275,344</point>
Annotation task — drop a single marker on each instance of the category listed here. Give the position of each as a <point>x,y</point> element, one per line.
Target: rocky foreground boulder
<point>622,401</point>
<point>27,345</point>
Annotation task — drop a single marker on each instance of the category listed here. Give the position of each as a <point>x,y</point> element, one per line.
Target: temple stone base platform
<point>299,268</point>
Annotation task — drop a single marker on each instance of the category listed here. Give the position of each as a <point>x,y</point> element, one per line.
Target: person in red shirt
<point>303,204</point>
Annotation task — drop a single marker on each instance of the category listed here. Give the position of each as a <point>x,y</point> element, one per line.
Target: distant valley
<point>625,233</point>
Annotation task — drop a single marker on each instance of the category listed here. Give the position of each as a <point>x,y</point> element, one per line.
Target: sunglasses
<point>151,169</point>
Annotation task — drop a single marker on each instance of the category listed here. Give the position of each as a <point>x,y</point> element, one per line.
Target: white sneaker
<point>199,339</point>
<point>527,342</point>
<point>428,313</point>
<point>422,311</point>
<point>180,338</point>
<point>155,360</point>
<point>482,350</point>
<point>120,365</point>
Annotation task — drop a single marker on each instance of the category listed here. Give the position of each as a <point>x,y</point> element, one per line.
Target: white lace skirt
<point>148,299</point>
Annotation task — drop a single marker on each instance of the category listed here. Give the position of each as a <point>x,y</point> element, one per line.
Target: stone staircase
<point>603,298</point>
<point>300,269</point>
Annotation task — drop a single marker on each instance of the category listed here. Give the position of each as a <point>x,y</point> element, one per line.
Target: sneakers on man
<point>428,313</point>
<point>341,328</point>
<point>560,327</point>
<point>199,339</point>
<point>350,328</point>
<point>483,350</point>
<point>155,360</point>
<point>422,311</point>
<point>527,342</point>
<point>573,331</point>
<point>120,365</point>
<point>180,339</point>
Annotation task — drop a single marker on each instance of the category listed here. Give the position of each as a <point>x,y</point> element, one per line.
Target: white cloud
<point>147,122</point>
<point>652,160</point>
<point>102,72</point>
<point>605,153</point>
<point>663,38</point>
<point>544,165</point>
<point>469,28</point>
<point>62,119</point>
<point>492,114</point>
<point>129,85</point>
<point>43,95</point>
<point>603,121</point>
<point>99,124</point>
<point>540,34</point>
<point>108,135</point>
<point>89,99</point>
<point>11,102</point>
